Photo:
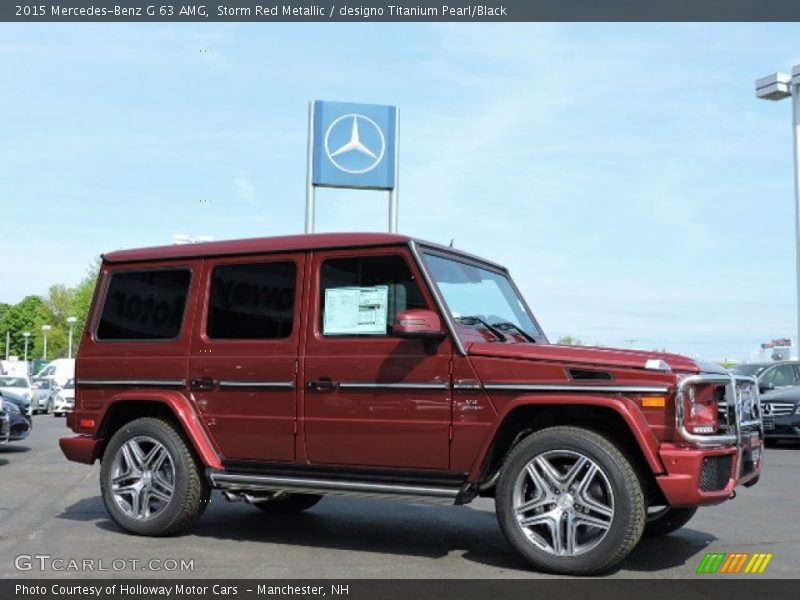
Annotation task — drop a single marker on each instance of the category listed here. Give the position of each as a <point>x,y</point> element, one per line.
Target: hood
<point>788,395</point>
<point>20,401</point>
<point>15,391</point>
<point>589,355</point>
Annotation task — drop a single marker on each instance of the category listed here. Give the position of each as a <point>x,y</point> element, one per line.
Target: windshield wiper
<point>506,325</point>
<point>473,320</point>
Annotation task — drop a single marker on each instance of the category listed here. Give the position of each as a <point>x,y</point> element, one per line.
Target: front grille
<point>716,473</point>
<point>777,409</point>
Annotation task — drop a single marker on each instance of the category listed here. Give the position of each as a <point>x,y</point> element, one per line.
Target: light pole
<point>45,329</point>
<point>777,87</point>
<point>26,335</point>
<point>8,344</point>
<point>71,322</point>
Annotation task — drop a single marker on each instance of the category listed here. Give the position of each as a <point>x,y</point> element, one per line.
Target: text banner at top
<point>401,10</point>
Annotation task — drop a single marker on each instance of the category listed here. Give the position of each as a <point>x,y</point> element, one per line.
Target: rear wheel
<point>288,503</point>
<point>570,501</point>
<point>151,480</point>
<point>663,520</point>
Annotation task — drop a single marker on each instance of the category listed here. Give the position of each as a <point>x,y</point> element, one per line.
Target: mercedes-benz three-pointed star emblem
<point>358,143</point>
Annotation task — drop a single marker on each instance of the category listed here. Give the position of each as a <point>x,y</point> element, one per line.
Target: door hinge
<point>296,366</point>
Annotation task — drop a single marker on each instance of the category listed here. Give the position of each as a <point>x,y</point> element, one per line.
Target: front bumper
<point>784,427</point>
<point>704,476</point>
<point>81,448</point>
<point>705,469</point>
<point>5,428</point>
<point>63,406</point>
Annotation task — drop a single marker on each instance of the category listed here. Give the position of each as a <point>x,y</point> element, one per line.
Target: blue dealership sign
<point>354,145</point>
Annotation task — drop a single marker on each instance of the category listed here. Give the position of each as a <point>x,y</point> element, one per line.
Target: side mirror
<point>418,324</point>
<point>766,387</point>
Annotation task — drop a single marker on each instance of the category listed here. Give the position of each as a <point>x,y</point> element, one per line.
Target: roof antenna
<point>451,241</point>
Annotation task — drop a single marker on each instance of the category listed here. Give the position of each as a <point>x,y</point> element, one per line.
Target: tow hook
<point>733,495</point>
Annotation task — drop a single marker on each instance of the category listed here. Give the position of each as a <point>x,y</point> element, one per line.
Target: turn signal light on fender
<point>654,401</point>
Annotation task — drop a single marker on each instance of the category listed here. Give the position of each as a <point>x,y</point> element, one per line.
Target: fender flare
<point>184,412</point>
<point>630,414</point>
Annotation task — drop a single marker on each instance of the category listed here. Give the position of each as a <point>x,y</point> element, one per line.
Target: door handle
<point>322,384</point>
<point>203,384</point>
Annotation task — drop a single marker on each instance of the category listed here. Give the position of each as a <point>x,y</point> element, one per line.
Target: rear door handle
<point>322,384</point>
<point>203,384</point>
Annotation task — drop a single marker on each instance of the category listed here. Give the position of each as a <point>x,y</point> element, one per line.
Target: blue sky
<point>625,173</point>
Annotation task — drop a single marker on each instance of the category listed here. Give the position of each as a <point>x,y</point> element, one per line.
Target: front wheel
<point>663,520</point>
<point>151,480</point>
<point>570,501</point>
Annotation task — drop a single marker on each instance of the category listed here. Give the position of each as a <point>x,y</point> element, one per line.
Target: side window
<point>144,305</point>
<point>252,301</point>
<point>780,376</point>
<point>362,296</point>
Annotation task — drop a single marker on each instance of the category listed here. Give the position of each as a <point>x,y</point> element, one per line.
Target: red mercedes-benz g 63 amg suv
<point>282,369</point>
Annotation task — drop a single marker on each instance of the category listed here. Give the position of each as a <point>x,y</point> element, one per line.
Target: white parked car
<point>59,370</point>
<point>17,384</point>
<point>64,399</point>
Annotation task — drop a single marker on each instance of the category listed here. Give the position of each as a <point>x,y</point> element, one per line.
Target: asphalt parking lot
<point>49,506</point>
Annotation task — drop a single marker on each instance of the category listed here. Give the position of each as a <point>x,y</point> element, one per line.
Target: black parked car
<point>781,415</point>
<point>15,417</point>
<point>771,375</point>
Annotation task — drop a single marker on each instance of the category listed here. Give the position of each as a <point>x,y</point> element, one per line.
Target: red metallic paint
<point>507,402</point>
<point>681,484</point>
<point>247,423</point>
<point>184,410</point>
<point>585,355</point>
<point>82,448</point>
<point>266,245</point>
<point>444,429</point>
<point>374,427</point>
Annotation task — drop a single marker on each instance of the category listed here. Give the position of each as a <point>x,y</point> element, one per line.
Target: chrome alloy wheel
<point>563,503</point>
<point>142,477</point>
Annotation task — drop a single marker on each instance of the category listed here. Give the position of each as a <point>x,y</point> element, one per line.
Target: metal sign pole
<point>796,131</point>
<point>310,191</point>
<point>394,192</point>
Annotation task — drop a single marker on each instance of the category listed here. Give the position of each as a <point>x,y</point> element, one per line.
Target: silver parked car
<point>44,390</point>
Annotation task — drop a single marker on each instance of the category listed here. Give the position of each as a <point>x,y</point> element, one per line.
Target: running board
<point>235,482</point>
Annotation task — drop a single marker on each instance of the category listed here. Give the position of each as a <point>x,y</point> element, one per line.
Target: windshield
<point>481,298</point>
<point>747,370</point>
<point>13,382</point>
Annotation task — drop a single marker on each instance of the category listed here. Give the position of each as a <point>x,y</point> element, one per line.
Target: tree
<point>568,340</point>
<point>34,311</point>
<point>27,315</point>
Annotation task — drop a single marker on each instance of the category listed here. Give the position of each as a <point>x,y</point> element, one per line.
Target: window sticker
<point>356,310</point>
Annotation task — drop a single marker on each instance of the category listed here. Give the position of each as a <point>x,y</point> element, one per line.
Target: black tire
<point>288,503</point>
<point>617,478</point>
<point>669,520</point>
<point>191,490</point>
